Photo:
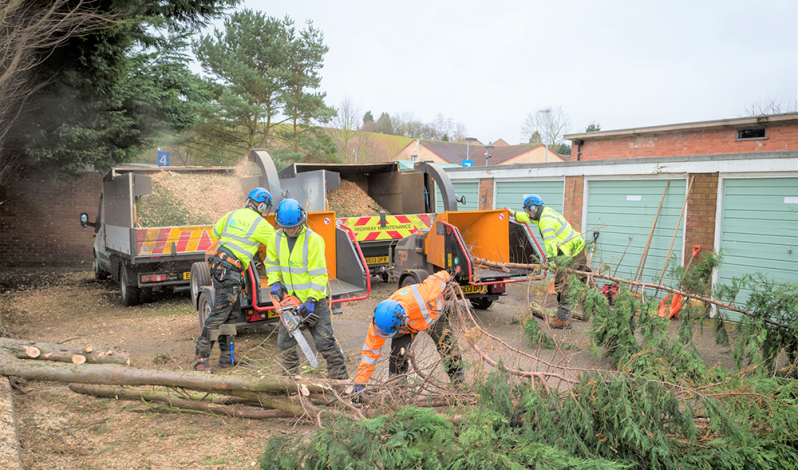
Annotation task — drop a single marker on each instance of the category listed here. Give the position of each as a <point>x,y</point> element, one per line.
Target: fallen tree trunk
<point>238,385</point>
<point>632,283</point>
<point>45,351</point>
<point>174,400</point>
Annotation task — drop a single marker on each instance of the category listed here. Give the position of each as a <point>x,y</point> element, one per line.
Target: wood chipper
<point>346,265</point>
<point>456,240</point>
<point>407,197</point>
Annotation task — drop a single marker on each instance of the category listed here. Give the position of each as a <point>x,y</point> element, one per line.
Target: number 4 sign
<point>163,158</point>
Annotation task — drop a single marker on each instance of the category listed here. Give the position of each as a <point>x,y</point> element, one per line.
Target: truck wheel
<point>200,276</point>
<point>130,294</point>
<point>145,295</point>
<point>407,281</point>
<point>415,276</point>
<point>99,274</point>
<point>204,308</point>
<point>481,303</point>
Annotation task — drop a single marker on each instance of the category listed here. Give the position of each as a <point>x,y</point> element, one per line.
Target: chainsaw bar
<point>289,317</point>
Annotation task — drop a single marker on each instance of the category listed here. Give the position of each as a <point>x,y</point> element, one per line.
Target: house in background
<point>500,154</point>
<point>767,133</point>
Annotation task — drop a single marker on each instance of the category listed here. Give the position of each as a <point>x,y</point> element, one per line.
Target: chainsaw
<point>288,310</point>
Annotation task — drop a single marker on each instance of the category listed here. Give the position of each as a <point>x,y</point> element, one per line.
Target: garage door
<point>622,211</point>
<point>759,230</point>
<point>512,193</point>
<point>469,189</point>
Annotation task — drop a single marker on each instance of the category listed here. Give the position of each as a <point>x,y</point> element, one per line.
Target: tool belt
<point>226,260</point>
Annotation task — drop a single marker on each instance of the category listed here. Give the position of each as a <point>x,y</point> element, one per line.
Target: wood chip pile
<point>351,201</point>
<point>189,199</point>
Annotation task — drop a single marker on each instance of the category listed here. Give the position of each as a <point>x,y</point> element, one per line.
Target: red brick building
<point>773,133</point>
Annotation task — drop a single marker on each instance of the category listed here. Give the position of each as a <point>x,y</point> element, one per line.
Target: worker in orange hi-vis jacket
<point>410,310</point>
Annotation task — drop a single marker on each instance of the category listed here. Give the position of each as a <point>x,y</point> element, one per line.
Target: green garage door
<point>621,209</point>
<point>469,189</point>
<point>512,194</point>
<point>759,230</point>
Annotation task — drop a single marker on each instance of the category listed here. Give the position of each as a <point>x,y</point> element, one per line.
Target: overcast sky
<point>622,64</point>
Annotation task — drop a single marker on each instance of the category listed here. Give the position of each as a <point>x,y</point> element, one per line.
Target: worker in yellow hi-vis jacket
<point>240,233</point>
<point>560,239</point>
<point>295,265</point>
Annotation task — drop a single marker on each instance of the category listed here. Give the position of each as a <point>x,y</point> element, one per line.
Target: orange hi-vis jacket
<point>423,304</point>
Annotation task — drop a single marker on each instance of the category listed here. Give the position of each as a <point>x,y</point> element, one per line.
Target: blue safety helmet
<point>532,200</point>
<point>289,213</point>
<point>389,316</point>
<point>260,200</point>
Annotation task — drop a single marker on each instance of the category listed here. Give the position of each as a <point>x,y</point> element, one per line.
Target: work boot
<point>202,364</point>
<point>224,362</point>
<point>457,377</point>
<point>555,322</point>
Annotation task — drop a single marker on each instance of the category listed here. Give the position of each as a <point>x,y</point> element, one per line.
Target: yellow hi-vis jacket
<point>303,270</point>
<point>423,304</point>
<point>242,231</point>
<point>556,231</point>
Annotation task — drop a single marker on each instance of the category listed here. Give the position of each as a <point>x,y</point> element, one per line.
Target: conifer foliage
<point>662,408</point>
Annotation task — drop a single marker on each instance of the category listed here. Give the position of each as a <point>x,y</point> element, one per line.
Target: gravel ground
<point>60,429</point>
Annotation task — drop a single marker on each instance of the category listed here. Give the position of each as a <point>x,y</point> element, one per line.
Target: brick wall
<point>701,205</point>
<point>699,142</point>
<point>486,191</point>
<point>40,221</point>
<point>572,202</point>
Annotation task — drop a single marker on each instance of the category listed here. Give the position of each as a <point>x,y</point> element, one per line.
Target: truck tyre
<point>99,274</point>
<point>200,277</point>
<point>407,281</point>
<point>415,276</point>
<point>203,308</point>
<point>481,303</point>
<point>145,295</point>
<point>130,294</point>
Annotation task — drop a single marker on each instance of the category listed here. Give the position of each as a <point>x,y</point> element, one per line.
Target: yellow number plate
<point>187,275</point>
<point>272,314</point>
<point>377,260</point>
<point>469,289</point>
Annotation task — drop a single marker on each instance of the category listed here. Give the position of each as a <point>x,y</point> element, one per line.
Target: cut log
<point>192,402</point>
<point>238,385</point>
<point>10,454</point>
<point>60,353</point>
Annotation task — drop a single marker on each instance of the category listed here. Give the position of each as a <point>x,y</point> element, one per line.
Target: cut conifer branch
<point>195,402</point>
<point>639,284</point>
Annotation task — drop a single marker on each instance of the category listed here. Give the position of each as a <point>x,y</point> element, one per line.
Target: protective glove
<point>278,290</point>
<point>307,310</point>
<point>355,394</point>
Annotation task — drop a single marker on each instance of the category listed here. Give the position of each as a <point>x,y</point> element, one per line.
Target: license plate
<point>187,275</point>
<point>377,260</point>
<point>272,314</point>
<point>469,289</point>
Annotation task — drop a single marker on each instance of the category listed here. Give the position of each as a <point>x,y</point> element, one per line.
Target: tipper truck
<point>143,258</point>
<point>408,198</point>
